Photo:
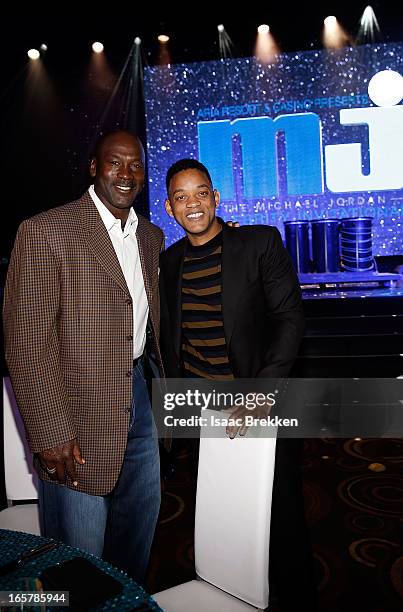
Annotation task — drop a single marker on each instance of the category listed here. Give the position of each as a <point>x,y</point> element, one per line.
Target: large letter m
<point>260,163</point>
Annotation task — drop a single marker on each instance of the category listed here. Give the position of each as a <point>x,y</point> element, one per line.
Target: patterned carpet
<point>354,507</point>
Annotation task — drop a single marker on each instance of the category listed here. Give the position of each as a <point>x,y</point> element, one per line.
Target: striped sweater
<point>204,350</point>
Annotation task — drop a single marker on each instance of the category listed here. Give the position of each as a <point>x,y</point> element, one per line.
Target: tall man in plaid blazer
<point>81,316</point>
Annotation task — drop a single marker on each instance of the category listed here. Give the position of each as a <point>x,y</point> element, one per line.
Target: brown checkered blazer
<point>69,334</point>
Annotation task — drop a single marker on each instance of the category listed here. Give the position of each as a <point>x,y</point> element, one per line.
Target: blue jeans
<point>119,526</point>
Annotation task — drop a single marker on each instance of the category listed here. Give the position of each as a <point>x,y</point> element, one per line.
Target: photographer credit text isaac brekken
<point>223,421</point>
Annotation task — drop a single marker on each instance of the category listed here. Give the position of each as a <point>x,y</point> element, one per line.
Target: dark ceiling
<point>193,30</point>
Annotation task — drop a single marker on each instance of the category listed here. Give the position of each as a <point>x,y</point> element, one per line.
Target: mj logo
<point>304,151</point>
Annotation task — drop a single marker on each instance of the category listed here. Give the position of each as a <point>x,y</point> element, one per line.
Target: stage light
<point>266,47</point>
<point>330,22</point>
<point>386,88</point>
<point>263,29</point>
<point>97,47</point>
<point>44,47</point>
<point>100,77</point>
<point>225,43</point>
<point>164,53</point>
<point>33,54</point>
<point>124,93</point>
<point>369,27</point>
<point>334,35</point>
<point>368,15</point>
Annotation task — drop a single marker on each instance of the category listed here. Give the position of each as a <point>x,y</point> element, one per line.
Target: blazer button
<point>129,337</point>
<point>128,302</point>
<point>127,410</point>
<point>128,373</point>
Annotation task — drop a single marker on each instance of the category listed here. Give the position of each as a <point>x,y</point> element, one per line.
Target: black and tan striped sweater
<point>204,350</point>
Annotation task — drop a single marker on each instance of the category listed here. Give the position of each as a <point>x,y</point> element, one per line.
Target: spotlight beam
<point>334,35</point>
<point>135,46</point>
<point>225,43</point>
<point>369,30</point>
<point>266,48</point>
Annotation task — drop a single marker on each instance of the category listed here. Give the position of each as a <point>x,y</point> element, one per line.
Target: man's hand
<point>233,223</point>
<point>237,416</point>
<point>58,462</point>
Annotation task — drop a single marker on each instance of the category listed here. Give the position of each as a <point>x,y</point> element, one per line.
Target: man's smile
<point>124,188</point>
<point>195,215</point>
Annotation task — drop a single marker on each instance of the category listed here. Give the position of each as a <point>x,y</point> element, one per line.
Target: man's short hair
<point>96,153</point>
<point>186,164</point>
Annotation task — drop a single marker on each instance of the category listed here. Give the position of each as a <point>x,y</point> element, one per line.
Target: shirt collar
<point>109,219</point>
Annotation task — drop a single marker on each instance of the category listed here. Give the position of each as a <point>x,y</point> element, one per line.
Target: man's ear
<point>93,167</point>
<point>168,207</point>
<point>216,197</point>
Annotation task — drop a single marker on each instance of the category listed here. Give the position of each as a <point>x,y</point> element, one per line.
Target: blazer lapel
<point>146,252</point>
<point>232,262</point>
<point>99,242</point>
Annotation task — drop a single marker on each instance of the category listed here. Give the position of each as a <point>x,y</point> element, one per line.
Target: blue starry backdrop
<point>296,139</point>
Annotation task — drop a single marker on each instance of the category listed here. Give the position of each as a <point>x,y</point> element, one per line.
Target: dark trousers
<point>291,561</point>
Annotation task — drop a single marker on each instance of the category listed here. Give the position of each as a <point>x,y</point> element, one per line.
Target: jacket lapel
<point>176,279</point>
<point>147,252</point>
<point>172,276</point>
<point>98,240</point>
<point>232,263</point>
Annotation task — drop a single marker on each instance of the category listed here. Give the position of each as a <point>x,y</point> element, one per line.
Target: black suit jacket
<point>261,301</point>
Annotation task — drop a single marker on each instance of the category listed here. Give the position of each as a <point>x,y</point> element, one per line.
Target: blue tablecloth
<point>13,543</point>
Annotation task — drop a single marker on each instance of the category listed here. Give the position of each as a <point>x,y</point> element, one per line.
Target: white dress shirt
<point>127,251</point>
